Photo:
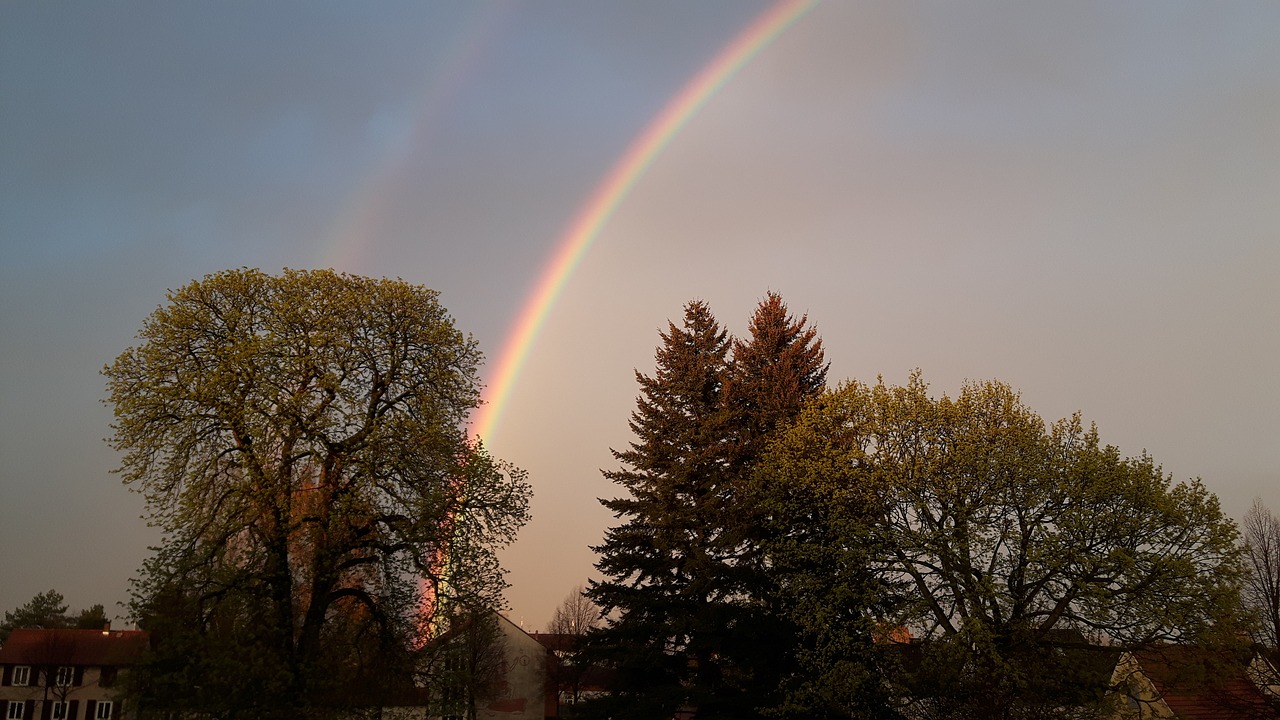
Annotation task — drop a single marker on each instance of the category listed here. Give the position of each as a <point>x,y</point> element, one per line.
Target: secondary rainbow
<point>595,213</point>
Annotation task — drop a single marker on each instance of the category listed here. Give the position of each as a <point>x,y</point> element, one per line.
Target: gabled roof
<point>1199,684</point>
<point>38,646</point>
<point>557,642</point>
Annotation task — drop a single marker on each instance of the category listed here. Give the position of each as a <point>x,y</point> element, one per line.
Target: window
<point>21,675</point>
<point>104,710</point>
<point>66,674</point>
<point>17,710</point>
<point>59,711</point>
<point>107,677</point>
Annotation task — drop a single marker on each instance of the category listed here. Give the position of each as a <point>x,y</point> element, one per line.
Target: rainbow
<point>609,194</point>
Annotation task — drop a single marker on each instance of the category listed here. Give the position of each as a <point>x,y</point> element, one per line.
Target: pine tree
<point>666,588</point>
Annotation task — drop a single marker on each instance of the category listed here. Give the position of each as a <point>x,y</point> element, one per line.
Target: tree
<point>45,610</point>
<point>1015,544</point>
<point>49,610</point>
<point>576,616</point>
<point>571,622</point>
<point>818,518</point>
<point>665,575</point>
<point>464,665</point>
<point>774,373</point>
<point>686,567</point>
<point>1261,536</point>
<point>93,617</point>
<point>299,440</point>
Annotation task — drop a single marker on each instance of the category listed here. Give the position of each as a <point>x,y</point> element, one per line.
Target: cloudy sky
<point>1081,199</point>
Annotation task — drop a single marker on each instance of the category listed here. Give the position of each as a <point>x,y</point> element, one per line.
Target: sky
<point>1079,199</point>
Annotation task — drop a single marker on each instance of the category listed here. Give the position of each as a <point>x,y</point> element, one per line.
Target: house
<point>1191,683</point>
<point>66,674</point>
<point>495,666</point>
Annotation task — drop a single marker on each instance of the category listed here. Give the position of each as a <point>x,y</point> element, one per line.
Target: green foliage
<point>299,441</point>
<point>818,513</point>
<point>1012,544</point>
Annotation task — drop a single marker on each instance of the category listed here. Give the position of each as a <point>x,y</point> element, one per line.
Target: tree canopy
<point>299,440</point>
<point>1007,543</point>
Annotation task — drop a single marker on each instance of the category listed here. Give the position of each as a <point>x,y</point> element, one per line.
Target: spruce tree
<point>666,587</point>
<point>773,374</point>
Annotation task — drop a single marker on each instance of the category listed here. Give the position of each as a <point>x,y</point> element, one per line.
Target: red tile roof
<point>38,646</point>
<point>1204,685</point>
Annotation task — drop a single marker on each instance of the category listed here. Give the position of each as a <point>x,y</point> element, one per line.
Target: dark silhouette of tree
<point>49,610</point>
<point>569,625</point>
<point>463,666</point>
<point>696,626</point>
<point>93,617</point>
<point>45,610</point>
<point>665,574</point>
<point>1261,536</point>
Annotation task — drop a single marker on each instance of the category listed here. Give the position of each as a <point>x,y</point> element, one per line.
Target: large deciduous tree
<point>1012,543</point>
<point>817,517</point>
<point>299,440</point>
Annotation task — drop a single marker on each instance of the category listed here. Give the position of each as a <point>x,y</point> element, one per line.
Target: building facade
<point>67,674</point>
